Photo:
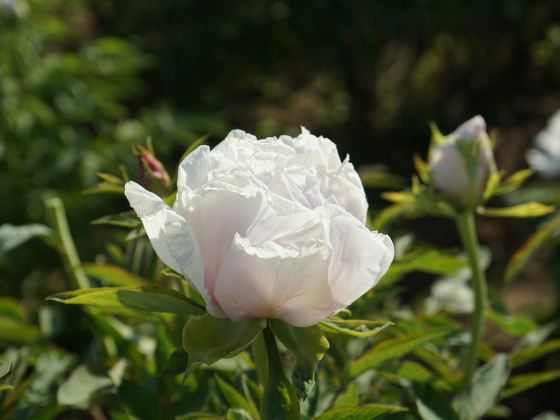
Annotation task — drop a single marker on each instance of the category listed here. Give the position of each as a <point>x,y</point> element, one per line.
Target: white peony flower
<point>269,228</point>
<point>461,164</point>
<point>545,157</point>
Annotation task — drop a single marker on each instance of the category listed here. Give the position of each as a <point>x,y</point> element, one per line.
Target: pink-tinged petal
<point>194,169</point>
<point>275,281</point>
<point>171,236</point>
<point>216,215</point>
<point>359,258</point>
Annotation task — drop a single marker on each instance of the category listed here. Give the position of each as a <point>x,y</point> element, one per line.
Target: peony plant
<point>270,236</point>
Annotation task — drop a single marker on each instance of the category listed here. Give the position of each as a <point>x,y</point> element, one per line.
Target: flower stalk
<point>467,231</point>
<point>72,264</point>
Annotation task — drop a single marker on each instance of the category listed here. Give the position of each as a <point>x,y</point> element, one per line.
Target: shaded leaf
<point>308,345</point>
<point>126,220</point>
<point>365,412</point>
<point>139,298</point>
<point>208,339</point>
<point>236,400</point>
<point>526,355</point>
<point>176,364</point>
<point>13,236</point>
<point>17,331</point>
<point>525,381</point>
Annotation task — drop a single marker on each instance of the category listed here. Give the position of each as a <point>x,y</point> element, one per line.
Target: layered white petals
<point>268,228</point>
<point>273,281</point>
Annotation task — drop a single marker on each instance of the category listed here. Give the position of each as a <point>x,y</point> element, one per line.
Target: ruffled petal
<point>359,258</point>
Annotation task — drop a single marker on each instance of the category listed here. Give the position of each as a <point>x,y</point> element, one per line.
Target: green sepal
<point>208,339</point>
<point>308,345</point>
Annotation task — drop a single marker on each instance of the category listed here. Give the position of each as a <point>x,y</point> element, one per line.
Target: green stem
<point>279,400</point>
<point>467,231</point>
<point>71,260</point>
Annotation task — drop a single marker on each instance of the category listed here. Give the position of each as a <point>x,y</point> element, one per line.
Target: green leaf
<point>433,405</point>
<point>139,298</point>
<point>238,414</point>
<point>13,236</point>
<point>525,381</point>
<point>350,397</point>
<point>193,146</point>
<point>485,388</point>
<point>126,220</point>
<point>389,214</point>
<point>112,275</point>
<point>104,187</point>
<point>176,364</point>
<point>208,339</point>
<point>399,197</point>
<point>431,261</point>
<point>376,178</point>
<point>365,412</point>
<point>354,327</point>
<point>235,399</point>
<point>523,356</point>
<point>533,209</point>
<point>524,254</point>
<point>6,387</point>
<point>517,324</point>
<point>308,345</point>
<point>17,331</point>
<point>393,348</point>
<point>81,387</point>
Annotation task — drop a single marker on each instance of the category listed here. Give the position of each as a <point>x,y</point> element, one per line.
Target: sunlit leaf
<point>112,275</point>
<point>139,298</point>
<point>524,254</point>
<point>485,388</point>
<point>354,327</point>
<point>513,182</point>
<point>393,348</point>
<point>81,387</point>
<point>522,210</point>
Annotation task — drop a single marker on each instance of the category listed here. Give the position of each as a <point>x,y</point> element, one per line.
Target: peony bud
<point>462,163</point>
<point>269,228</point>
<point>151,167</point>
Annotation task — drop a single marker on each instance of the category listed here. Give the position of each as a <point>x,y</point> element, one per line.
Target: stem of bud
<point>467,231</point>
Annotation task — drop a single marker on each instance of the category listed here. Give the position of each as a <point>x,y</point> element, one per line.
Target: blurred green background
<point>81,81</point>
